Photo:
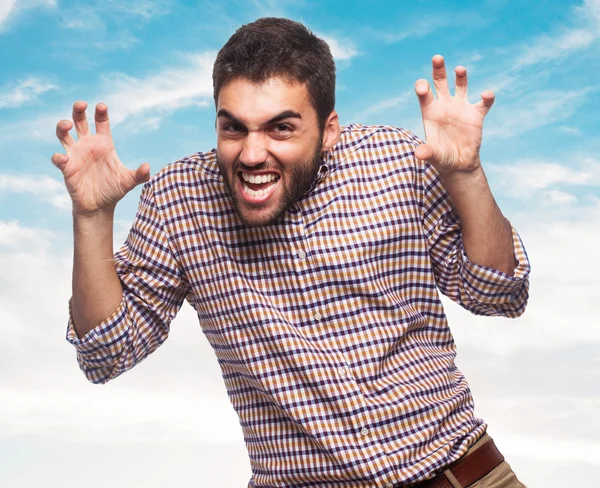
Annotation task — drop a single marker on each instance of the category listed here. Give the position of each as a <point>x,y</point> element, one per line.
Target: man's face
<point>268,146</point>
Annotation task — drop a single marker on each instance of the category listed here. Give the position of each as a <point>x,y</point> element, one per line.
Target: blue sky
<point>536,380</point>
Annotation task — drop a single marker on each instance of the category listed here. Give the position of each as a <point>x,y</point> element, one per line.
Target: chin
<point>258,219</point>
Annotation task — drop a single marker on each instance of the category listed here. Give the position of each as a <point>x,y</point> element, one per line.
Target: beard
<point>301,175</point>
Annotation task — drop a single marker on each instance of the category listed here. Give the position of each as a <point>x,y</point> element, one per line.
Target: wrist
<point>98,222</point>
<point>94,215</point>
<point>459,177</point>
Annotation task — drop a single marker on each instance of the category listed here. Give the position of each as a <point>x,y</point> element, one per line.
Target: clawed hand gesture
<point>453,126</point>
<point>94,175</point>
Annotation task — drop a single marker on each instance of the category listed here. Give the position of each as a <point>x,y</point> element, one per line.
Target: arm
<point>478,288</point>
<point>153,290</point>
<point>474,249</point>
<point>121,305</point>
<point>486,234</point>
<point>97,290</point>
<point>96,180</point>
<point>453,129</point>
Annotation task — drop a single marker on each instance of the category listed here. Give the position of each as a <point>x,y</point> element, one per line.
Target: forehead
<point>245,98</point>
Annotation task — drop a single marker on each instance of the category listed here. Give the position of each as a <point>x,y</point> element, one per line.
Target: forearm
<point>97,291</point>
<point>487,235</point>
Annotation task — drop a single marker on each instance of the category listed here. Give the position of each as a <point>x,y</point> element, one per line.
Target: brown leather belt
<point>468,469</point>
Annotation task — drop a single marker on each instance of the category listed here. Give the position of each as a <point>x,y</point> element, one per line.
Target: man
<point>313,255</point>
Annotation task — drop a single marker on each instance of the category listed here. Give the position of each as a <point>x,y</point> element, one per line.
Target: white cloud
<point>532,111</point>
<point>83,414</point>
<point>521,106</point>
<point>6,8</point>
<point>527,176</point>
<point>10,9</point>
<point>47,189</point>
<point>94,16</point>
<point>419,26</point>
<point>43,391</point>
<point>118,43</point>
<point>548,48</point>
<point>405,97</point>
<point>137,103</point>
<point>565,280</point>
<point>138,100</point>
<point>83,18</point>
<point>146,9</point>
<point>567,129</point>
<point>13,235</point>
<point>560,197</point>
<point>590,10</point>
<point>23,92</point>
<point>342,49</point>
<point>272,8</point>
<point>566,41</point>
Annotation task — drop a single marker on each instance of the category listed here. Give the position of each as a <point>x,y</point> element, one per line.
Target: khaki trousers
<point>502,476</point>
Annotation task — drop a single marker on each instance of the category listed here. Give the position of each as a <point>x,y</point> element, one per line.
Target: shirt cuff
<point>493,287</point>
<point>108,334</point>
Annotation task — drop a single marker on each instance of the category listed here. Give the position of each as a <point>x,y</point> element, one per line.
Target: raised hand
<point>94,175</point>
<point>453,126</point>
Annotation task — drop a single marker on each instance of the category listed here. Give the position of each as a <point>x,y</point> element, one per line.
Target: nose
<point>254,151</point>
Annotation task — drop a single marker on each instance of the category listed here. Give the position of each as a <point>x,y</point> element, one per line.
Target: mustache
<point>265,166</point>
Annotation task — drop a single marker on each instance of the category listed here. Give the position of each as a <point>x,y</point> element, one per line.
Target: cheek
<point>227,152</point>
<point>292,153</point>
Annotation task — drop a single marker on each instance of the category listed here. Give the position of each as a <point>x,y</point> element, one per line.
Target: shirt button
<point>389,485</point>
<point>317,316</point>
<point>301,254</point>
<point>342,372</point>
<point>364,432</point>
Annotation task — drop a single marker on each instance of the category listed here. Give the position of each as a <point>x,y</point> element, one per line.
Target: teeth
<point>257,179</point>
<point>256,193</point>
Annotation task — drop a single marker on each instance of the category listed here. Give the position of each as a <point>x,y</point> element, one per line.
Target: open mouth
<point>257,188</point>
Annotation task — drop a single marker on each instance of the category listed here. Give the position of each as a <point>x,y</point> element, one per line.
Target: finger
<point>426,152</point>
<point>486,102</point>
<point>138,176</point>
<point>62,132</point>
<point>424,93</point>
<point>142,174</point>
<point>80,119</point>
<point>101,119</point>
<point>60,160</point>
<point>461,82</point>
<point>440,80</point>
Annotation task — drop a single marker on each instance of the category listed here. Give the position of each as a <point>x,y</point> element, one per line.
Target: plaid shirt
<point>327,324</point>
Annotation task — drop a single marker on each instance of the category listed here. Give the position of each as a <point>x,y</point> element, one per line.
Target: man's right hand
<point>94,175</point>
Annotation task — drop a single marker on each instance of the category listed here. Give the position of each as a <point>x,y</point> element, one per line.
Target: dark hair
<point>272,47</point>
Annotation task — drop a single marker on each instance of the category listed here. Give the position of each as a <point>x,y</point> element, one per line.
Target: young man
<point>313,255</point>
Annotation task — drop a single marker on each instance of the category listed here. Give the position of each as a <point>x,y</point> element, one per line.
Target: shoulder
<point>355,134</point>
<point>375,145</point>
<point>195,170</point>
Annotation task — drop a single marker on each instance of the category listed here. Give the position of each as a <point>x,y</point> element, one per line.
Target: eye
<point>282,128</point>
<point>232,127</point>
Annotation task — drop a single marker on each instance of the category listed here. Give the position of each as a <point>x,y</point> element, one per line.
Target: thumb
<point>142,174</point>
<point>427,152</point>
<point>138,176</point>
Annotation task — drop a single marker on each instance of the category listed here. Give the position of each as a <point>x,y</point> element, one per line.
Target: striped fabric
<point>327,325</point>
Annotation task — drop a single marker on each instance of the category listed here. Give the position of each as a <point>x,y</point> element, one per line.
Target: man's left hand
<point>453,126</point>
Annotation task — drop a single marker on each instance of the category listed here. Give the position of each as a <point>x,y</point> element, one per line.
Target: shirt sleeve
<point>153,292</point>
<point>479,289</point>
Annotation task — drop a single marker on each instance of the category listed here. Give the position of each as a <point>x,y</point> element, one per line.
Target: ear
<point>331,131</point>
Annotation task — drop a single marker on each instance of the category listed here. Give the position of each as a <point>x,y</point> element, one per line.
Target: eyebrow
<point>286,114</point>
